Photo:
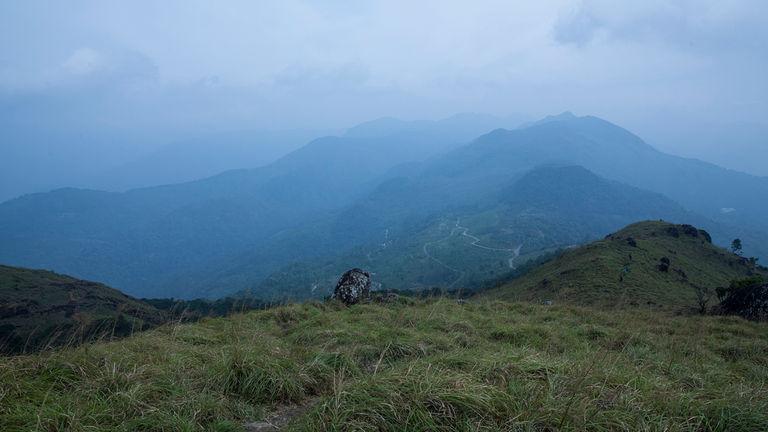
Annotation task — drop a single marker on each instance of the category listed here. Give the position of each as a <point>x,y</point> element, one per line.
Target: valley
<point>475,243</point>
<point>326,203</point>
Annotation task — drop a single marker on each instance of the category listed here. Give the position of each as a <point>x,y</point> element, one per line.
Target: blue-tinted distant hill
<point>38,160</point>
<point>615,153</point>
<point>147,241</point>
<point>204,156</point>
<point>338,194</point>
<point>459,128</point>
<point>462,247</point>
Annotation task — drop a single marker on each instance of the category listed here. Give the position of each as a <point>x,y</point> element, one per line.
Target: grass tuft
<point>422,365</point>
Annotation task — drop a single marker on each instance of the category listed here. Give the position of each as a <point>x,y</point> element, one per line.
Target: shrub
<point>746,297</point>
<point>664,264</point>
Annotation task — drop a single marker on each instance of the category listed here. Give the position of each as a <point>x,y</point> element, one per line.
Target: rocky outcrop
<point>353,287</point>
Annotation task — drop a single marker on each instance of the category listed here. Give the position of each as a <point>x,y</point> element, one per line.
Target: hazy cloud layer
<point>659,67</point>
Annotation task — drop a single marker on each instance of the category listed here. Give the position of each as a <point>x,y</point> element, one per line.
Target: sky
<point>684,75</point>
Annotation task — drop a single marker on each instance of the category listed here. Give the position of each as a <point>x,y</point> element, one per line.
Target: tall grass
<point>412,365</point>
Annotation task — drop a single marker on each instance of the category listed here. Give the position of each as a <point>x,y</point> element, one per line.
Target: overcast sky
<point>657,67</point>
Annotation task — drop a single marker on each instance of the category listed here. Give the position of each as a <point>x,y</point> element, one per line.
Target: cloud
<point>246,64</point>
<point>577,26</point>
<point>299,76</point>
<point>700,25</point>
<point>84,61</point>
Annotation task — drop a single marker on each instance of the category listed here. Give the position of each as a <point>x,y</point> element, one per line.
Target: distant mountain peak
<point>383,126</point>
<point>464,125</point>
<point>565,115</point>
<point>562,117</point>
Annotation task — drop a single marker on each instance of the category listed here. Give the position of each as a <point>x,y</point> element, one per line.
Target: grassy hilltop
<point>433,365</point>
<point>647,263</point>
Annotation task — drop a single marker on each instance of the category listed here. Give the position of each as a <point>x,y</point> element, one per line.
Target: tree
<point>703,295</point>
<point>736,246</point>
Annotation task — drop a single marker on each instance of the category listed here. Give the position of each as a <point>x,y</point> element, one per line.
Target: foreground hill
<point>647,263</point>
<point>433,365</point>
<point>40,308</point>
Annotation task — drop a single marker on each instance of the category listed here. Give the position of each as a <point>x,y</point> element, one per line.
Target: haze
<point>88,88</point>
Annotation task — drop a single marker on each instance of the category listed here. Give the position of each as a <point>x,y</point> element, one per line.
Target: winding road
<point>476,243</point>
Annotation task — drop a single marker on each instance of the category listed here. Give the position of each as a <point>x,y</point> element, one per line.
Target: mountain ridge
<point>470,245</point>
<point>174,232</point>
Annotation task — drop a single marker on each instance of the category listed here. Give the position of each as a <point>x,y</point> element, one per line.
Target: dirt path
<point>476,243</point>
<point>280,418</point>
<point>512,259</point>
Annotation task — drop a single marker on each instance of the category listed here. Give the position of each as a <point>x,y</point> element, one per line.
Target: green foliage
<point>417,365</point>
<point>746,297</point>
<point>736,246</point>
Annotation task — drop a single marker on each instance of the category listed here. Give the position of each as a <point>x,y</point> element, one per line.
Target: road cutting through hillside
<point>476,243</point>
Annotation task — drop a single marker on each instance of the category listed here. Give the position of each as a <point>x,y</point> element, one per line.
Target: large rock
<point>353,287</point>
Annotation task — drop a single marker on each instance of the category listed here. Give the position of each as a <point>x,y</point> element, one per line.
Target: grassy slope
<point>612,272</point>
<point>436,365</point>
<point>41,307</point>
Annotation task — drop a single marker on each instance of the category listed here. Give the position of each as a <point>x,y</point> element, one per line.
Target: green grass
<point>40,308</point>
<point>408,366</point>
<point>615,272</point>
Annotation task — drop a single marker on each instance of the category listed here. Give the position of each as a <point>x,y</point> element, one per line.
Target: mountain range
<point>418,203</point>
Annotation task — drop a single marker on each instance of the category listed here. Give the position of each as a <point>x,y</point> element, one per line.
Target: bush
<point>664,264</point>
<point>747,298</point>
